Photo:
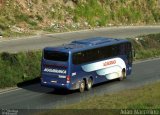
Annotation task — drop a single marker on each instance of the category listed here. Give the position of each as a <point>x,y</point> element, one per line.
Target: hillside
<point>23,17</point>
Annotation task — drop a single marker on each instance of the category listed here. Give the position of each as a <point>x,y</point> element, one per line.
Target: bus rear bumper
<point>57,85</point>
<point>54,85</point>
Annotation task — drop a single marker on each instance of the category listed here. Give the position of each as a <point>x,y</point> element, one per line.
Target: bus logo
<point>55,71</point>
<point>109,63</point>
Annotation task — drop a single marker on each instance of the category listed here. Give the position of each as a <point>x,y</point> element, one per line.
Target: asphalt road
<point>36,97</point>
<point>40,41</point>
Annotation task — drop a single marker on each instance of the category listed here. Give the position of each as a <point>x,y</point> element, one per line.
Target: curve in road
<point>41,41</point>
<point>37,97</point>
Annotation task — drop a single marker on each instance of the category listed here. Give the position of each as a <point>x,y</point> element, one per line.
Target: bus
<point>81,64</point>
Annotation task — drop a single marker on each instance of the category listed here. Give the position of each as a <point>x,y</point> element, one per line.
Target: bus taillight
<point>68,79</point>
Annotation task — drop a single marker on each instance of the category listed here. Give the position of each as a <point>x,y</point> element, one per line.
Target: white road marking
<point>8,90</point>
<point>80,31</point>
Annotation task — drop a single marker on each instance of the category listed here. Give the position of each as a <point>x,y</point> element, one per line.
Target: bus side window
<point>102,52</point>
<point>122,49</point>
<point>77,58</point>
<point>129,52</point>
<point>115,50</point>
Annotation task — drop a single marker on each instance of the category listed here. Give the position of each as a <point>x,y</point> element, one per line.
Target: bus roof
<point>85,44</point>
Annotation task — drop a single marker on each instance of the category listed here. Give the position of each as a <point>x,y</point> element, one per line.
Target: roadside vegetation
<point>132,101</point>
<point>147,46</point>
<point>24,66</point>
<point>146,97</point>
<point>19,67</point>
<point>27,17</point>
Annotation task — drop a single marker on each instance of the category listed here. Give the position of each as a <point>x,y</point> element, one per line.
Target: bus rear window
<point>55,55</point>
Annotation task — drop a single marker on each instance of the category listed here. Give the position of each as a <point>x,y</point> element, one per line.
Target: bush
<point>19,67</point>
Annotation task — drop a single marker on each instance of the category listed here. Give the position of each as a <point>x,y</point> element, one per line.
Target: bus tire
<point>89,84</point>
<point>82,86</point>
<point>123,76</point>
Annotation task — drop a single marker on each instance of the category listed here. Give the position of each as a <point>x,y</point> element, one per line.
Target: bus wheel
<point>123,76</point>
<point>89,84</point>
<point>82,86</point>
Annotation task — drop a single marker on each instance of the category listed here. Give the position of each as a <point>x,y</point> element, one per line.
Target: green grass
<point>118,12</point>
<point>146,97</point>
<point>40,15</point>
<point>147,46</point>
<point>93,12</point>
<point>17,68</point>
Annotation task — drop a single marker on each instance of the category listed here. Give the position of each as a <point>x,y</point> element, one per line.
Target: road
<point>36,97</point>
<point>40,41</point>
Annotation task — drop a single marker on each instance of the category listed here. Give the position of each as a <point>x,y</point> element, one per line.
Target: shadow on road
<point>29,82</point>
<point>35,86</point>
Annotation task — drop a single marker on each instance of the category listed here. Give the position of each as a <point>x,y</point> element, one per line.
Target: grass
<point>147,46</point>
<point>122,12</point>
<point>24,66</point>
<point>16,68</point>
<point>146,97</point>
<point>94,14</point>
<point>38,15</point>
<point>143,100</point>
